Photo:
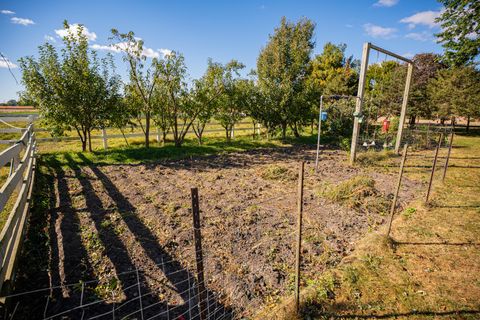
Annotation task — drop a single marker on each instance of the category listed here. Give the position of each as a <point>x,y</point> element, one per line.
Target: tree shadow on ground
<point>73,275</point>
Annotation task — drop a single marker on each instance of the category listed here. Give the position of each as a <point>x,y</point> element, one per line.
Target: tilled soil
<point>112,220</point>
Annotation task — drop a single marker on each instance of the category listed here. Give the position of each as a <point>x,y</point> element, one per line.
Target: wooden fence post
<point>433,167</point>
<point>104,137</point>
<point>199,255</point>
<point>399,183</point>
<point>448,157</point>
<point>299,236</point>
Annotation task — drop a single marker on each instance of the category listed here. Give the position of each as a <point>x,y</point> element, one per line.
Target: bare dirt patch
<point>114,219</point>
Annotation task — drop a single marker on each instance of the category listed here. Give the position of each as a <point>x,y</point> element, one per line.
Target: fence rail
<point>105,136</point>
<point>20,179</point>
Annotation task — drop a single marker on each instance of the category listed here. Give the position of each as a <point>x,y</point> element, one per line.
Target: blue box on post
<point>323,116</point>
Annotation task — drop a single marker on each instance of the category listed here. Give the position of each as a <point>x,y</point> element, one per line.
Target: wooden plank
<point>23,209</point>
<point>12,234</point>
<point>12,181</point>
<point>7,154</point>
<point>359,102</point>
<point>11,130</point>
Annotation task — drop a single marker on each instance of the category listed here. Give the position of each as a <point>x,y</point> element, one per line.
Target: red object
<point>386,125</point>
<point>181,317</point>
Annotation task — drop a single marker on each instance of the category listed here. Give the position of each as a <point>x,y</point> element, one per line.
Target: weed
<point>351,275</point>
<point>409,212</point>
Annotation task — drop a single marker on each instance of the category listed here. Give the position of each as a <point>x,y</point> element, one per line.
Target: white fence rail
<point>105,136</point>
<point>18,188</point>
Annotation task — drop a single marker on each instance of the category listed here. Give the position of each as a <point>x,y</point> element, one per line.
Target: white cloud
<point>6,63</point>
<point>385,3</point>
<point>22,21</point>
<point>408,55</point>
<point>73,28</point>
<point>7,12</point>
<point>165,52</point>
<point>122,46</point>
<point>378,31</point>
<point>426,18</point>
<point>418,36</point>
<point>49,38</point>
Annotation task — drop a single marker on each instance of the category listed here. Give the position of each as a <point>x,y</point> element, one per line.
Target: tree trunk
<point>412,121</point>
<point>295,130</point>
<point>89,141</point>
<point>468,124</point>
<point>227,133</point>
<point>84,145</point>
<point>147,129</point>
<point>284,130</point>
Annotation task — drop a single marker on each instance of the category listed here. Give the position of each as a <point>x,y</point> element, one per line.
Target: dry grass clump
<point>276,172</point>
<point>358,193</point>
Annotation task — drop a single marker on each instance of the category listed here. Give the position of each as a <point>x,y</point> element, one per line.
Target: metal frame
<point>333,96</point>
<point>361,92</point>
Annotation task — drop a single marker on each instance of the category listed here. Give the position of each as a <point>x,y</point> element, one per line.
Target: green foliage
<point>460,23</point>
<point>73,89</point>
<point>235,93</point>
<point>409,212</point>
<point>139,93</point>
<point>282,67</point>
<point>456,92</point>
<point>206,95</point>
<point>426,67</point>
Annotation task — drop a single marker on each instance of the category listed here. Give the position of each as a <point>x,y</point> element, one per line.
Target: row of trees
<point>75,90</point>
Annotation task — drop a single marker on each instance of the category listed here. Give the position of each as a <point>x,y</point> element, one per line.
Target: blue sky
<point>222,30</point>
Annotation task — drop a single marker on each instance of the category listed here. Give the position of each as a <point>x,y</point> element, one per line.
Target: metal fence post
<point>198,254</point>
<point>399,183</point>
<point>448,157</point>
<point>433,167</point>
<point>299,236</point>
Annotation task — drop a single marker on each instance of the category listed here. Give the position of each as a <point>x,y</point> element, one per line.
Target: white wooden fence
<point>104,136</point>
<point>18,188</point>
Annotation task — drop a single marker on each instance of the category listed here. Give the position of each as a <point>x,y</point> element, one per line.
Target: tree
<point>206,96</point>
<point>143,79</point>
<point>385,84</point>
<point>460,35</point>
<point>230,109</point>
<point>456,92</point>
<point>332,72</point>
<point>77,91</point>
<point>179,104</point>
<point>282,67</point>
<point>426,67</point>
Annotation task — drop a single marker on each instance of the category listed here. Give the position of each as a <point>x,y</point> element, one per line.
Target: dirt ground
<point>107,222</point>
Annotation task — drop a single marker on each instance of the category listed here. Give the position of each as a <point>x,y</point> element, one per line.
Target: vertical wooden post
<point>199,255</point>
<point>399,183</point>
<point>299,236</point>
<point>433,167</point>
<point>104,137</point>
<point>448,157</point>
<point>404,108</point>
<point>359,102</point>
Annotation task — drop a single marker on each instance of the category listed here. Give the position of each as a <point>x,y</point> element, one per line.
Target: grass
<point>358,193</point>
<point>430,267</point>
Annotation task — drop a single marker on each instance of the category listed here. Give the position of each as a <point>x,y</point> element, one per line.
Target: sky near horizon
<point>221,30</point>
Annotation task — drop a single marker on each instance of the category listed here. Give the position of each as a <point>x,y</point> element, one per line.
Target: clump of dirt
<point>358,193</point>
